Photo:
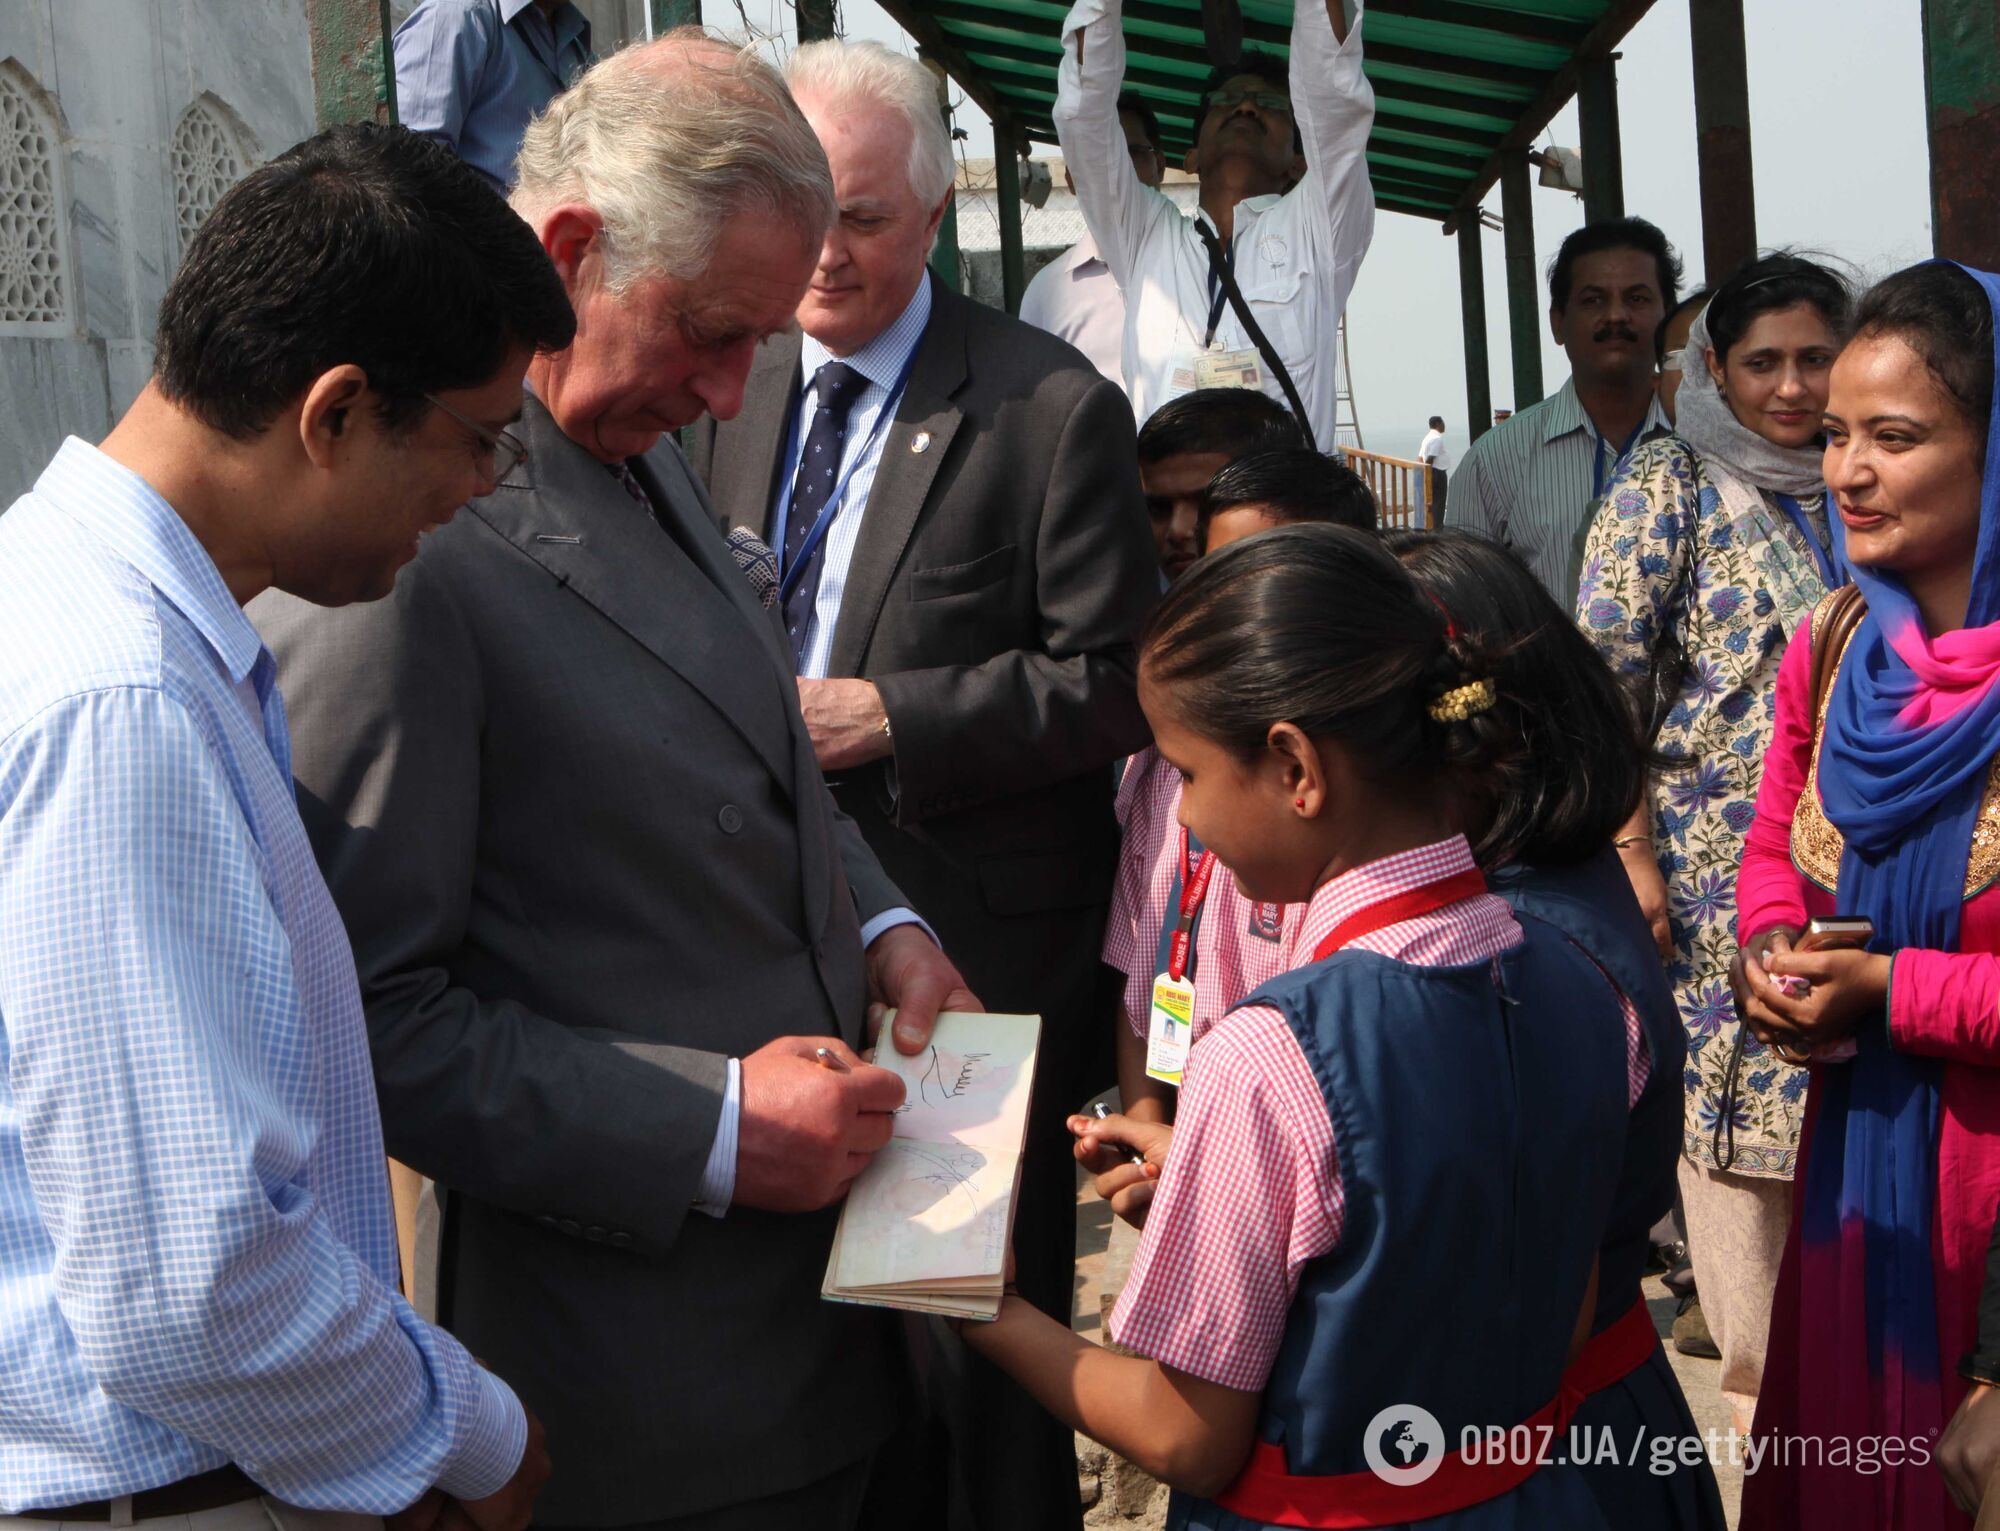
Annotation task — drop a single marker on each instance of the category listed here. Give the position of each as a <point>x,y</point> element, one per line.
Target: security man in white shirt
<point>1292,254</point>
<point>1074,296</point>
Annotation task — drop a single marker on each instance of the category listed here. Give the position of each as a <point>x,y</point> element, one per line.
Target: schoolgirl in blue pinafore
<point>1548,851</point>
<point>1370,1251</point>
<point>1471,1106</point>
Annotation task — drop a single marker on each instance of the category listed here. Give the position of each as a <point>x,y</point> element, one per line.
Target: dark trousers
<point>833,1503</point>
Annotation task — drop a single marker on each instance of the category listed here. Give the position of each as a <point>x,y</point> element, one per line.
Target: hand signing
<point>806,1131</point>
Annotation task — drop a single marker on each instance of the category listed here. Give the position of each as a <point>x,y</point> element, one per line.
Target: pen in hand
<point>827,1058</point>
<point>1103,1112</point>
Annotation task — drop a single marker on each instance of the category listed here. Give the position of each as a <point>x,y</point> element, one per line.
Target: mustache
<point>1617,330</point>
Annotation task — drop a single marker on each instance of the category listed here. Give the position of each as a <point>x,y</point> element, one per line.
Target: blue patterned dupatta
<point>1911,728</point>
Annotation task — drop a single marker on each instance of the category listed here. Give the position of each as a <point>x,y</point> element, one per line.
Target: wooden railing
<point>1402,488</point>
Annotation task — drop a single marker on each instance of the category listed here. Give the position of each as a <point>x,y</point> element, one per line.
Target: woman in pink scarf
<point>1886,804</point>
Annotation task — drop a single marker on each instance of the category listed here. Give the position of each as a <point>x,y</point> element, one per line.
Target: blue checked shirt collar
<point>881,360</point>
<point>131,518</point>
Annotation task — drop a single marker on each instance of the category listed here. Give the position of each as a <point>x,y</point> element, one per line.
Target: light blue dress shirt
<point>881,361</point>
<point>197,1249</point>
<point>473,73</point>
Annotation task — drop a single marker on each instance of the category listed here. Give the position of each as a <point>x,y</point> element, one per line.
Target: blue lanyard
<point>795,571</point>
<point>1822,560</point>
<point>1600,478</point>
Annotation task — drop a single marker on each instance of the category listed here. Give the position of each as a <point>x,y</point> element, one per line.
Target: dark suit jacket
<point>559,785</point>
<point>998,583</point>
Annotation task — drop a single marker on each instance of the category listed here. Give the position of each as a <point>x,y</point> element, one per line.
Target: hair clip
<point>1462,702</point>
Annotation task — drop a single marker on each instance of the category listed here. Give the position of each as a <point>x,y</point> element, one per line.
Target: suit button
<point>621,1240</point>
<point>546,1221</point>
<point>595,1235</point>
<point>730,818</point>
<point>570,1226</point>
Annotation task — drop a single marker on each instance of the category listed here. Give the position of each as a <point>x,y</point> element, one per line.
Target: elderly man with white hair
<point>608,921</point>
<point>966,561</point>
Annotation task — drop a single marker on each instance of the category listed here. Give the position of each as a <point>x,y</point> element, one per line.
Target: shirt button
<point>730,818</point>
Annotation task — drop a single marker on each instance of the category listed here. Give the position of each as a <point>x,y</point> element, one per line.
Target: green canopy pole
<point>1962,100</point>
<point>666,15</point>
<point>1603,154</point>
<point>1722,136</point>
<point>1472,318</point>
<point>353,67</point>
<point>818,20</point>
<point>1524,295</point>
<point>944,254</point>
<point>1007,188</point>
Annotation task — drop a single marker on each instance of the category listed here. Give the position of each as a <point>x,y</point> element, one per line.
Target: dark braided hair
<point>1319,626</point>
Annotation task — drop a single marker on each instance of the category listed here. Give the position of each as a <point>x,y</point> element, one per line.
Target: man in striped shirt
<point>1531,483</point>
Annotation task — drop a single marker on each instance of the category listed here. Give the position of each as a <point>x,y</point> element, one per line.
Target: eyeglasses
<point>1267,100</point>
<point>504,452</point>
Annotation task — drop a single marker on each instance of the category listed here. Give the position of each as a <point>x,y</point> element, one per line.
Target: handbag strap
<point>1832,626</point>
<point>1241,308</point>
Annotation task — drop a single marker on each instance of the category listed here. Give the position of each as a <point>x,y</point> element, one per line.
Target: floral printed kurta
<point>1665,554</point>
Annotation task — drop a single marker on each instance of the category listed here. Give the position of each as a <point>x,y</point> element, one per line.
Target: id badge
<point>1169,1029</point>
<point>1229,369</point>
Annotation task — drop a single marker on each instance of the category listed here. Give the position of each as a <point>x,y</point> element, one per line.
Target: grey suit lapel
<point>746,467</point>
<point>903,481</point>
<point>687,605</point>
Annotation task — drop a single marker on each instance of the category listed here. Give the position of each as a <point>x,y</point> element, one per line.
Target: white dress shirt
<point>1075,298</point>
<point>881,361</point>
<point>1296,256</point>
<point>1432,451</point>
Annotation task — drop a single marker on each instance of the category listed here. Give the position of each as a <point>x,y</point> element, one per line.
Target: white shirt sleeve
<point>1118,208</point>
<point>1335,108</point>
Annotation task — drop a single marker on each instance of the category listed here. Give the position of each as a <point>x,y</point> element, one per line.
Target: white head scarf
<point>1704,420</point>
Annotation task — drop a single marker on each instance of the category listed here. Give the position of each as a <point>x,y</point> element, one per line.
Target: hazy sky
<point>1842,166</point>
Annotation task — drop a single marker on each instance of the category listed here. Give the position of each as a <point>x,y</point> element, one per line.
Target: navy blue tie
<point>837,386</point>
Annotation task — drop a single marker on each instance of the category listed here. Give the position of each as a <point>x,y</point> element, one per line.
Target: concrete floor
<point>1117,1495</point>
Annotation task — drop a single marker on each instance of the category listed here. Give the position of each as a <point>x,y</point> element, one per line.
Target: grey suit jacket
<point>1003,567</point>
<point>559,785</point>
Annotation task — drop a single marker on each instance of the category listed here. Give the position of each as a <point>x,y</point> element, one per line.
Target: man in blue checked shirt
<point>197,1255</point>
<point>472,73</point>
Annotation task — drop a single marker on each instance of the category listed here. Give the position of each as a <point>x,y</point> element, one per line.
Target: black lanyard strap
<point>1221,269</point>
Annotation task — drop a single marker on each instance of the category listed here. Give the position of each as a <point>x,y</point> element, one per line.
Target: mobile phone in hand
<point>1834,933</point>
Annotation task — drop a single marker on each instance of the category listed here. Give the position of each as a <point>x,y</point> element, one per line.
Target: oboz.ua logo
<point>1404,1444</point>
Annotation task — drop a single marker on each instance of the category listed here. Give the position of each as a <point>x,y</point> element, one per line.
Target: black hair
<point>1437,422</point>
<point>1232,420</point>
<point>1615,234</point>
<point>1943,315</point>
<point>1267,67</point>
<point>1318,626</point>
<point>1291,484</point>
<point>1148,119</point>
<point>365,245</point>
<point>1774,281</point>
<point>1576,760</point>
<point>1690,300</point>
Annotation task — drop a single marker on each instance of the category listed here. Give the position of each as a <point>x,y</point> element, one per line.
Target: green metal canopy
<point>1456,81</point>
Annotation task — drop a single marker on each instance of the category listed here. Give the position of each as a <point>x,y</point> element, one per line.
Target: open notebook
<point>925,1225</point>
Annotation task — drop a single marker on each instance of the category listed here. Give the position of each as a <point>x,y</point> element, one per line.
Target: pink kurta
<point>1942,1005</point>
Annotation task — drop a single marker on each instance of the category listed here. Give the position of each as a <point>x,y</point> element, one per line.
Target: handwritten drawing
<point>925,1225</point>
